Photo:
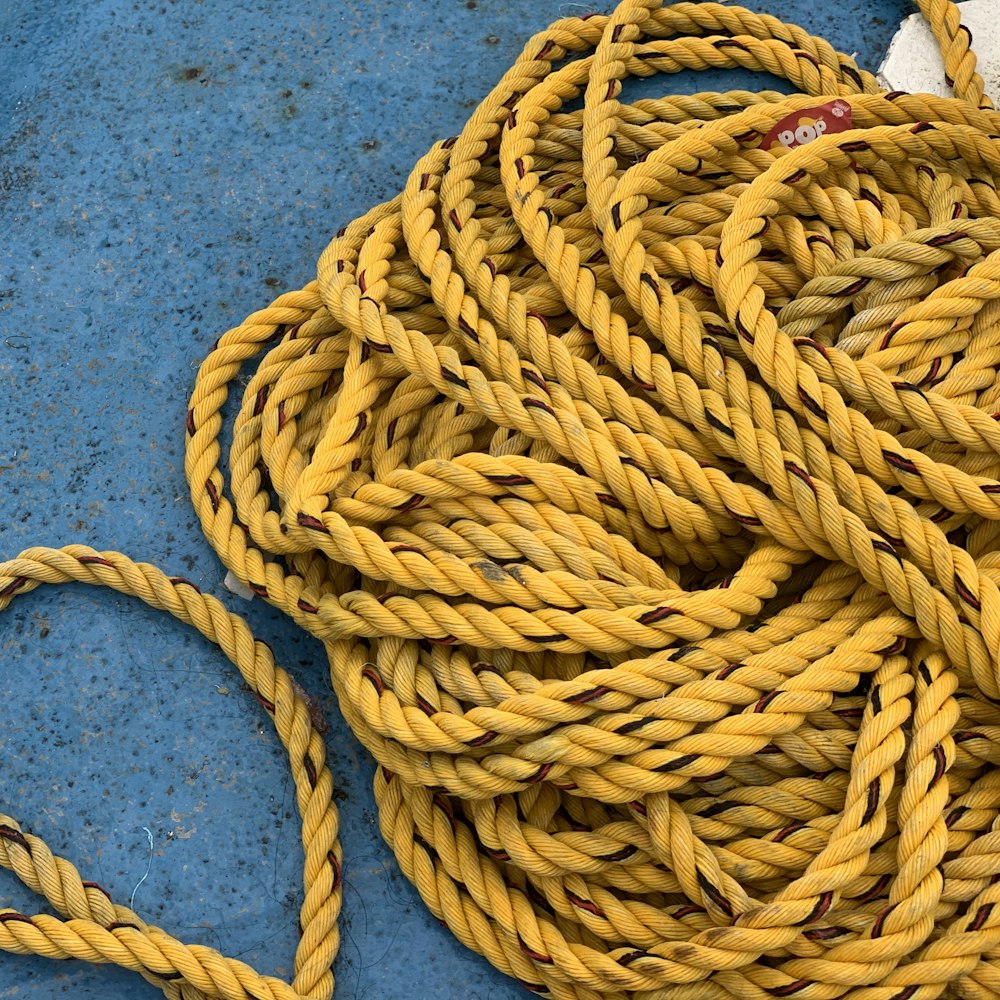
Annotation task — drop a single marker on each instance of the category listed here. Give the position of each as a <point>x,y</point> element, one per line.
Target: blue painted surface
<point>165,168</point>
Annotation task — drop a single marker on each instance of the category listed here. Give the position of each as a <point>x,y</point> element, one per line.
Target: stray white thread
<point>145,874</point>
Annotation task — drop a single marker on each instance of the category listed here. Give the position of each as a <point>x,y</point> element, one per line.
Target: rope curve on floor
<point>639,468</point>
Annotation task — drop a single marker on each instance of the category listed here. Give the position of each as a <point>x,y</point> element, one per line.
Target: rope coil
<point>642,480</point>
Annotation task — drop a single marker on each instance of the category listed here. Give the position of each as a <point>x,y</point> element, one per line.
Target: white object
<point>913,62</point>
<point>236,586</point>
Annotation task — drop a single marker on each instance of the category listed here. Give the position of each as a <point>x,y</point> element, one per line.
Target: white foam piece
<point>913,62</point>
<point>236,586</point>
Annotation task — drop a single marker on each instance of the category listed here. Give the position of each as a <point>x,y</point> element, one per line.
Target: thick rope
<point>641,474</point>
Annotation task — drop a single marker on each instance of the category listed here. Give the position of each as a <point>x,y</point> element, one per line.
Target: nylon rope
<point>640,476</point>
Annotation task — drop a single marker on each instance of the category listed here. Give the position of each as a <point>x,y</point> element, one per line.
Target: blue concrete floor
<point>165,168</point>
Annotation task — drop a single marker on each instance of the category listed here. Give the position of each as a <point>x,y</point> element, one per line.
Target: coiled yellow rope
<point>641,478</point>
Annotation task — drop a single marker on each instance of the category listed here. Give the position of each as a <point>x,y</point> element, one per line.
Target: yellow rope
<point>639,471</point>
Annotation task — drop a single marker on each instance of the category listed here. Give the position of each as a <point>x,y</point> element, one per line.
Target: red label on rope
<point>801,127</point>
